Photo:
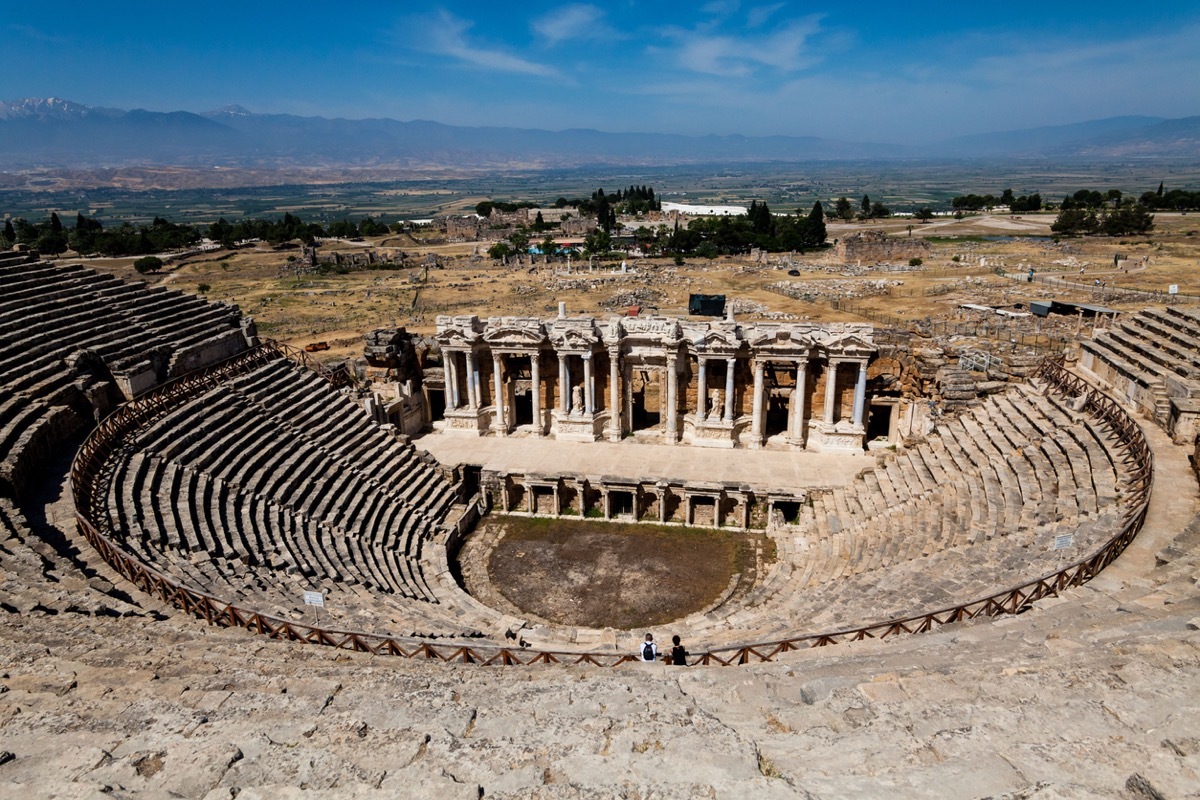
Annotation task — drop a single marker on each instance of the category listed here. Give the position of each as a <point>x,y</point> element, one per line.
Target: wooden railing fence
<point>90,471</point>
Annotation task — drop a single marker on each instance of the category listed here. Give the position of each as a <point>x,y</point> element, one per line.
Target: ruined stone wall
<point>877,247</point>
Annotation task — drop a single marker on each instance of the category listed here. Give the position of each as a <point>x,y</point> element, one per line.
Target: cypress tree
<point>816,224</point>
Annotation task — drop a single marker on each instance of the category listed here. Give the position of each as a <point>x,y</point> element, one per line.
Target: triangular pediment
<point>455,336</point>
<point>723,338</point>
<point>718,341</point>
<point>848,344</point>
<point>574,339</point>
<point>782,339</point>
<point>515,336</point>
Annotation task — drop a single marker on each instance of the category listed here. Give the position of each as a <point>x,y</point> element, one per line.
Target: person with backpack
<point>649,649</point>
<point>678,653</point>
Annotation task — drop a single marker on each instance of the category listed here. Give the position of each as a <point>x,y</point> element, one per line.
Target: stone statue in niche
<point>577,399</point>
<point>715,406</point>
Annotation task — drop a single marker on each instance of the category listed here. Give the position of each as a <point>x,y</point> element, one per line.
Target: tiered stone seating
<point>67,331</point>
<point>273,484</point>
<point>979,505</point>
<point>1149,358</point>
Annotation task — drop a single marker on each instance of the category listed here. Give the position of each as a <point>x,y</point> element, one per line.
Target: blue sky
<point>898,72</point>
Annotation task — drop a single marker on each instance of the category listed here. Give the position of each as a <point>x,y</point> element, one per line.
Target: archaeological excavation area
<point>280,572</point>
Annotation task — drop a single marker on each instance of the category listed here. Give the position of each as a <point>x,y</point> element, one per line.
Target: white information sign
<point>1063,541</point>
<point>1173,288</point>
<point>314,599</point>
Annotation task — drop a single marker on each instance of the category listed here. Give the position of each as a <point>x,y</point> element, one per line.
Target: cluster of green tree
<point>540,225</point>
<point>605,207</point>
<point>758,227</point>
<point>90,236</point>
<point>978,202</point>
<point>1091,199</point>
<point>486,207</point>
<point>47,237</point>
<point>346,228</point>
<point>277,231</point>
<point>1122,218</point>
<point>519,242</point>
<point>148,264</point>
<point>843,209</point>
<point>637,200</point>
<point>1174,200</point>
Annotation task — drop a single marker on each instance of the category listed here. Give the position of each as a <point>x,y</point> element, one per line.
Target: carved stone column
<point>535,374</point>
<point>672,425</point>
<point>449,358</point>
<point>730,368</point>
<point>796,421</point>
<point>498,423</point>
<point>860,394</point>
<point>589,386</point>
<point>615,422</point>
<point>564,384</point>
<point>756,422</point>
<point>472,381</point>
<point>702,388</point>
<point>830,389</point>
<point>476,385</point>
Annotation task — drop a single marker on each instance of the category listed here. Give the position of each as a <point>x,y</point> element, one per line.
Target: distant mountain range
<point>54,133</point>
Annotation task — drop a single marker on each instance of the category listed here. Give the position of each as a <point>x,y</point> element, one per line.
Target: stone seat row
<point>964,573</point>
<point>1127,365</point>
<point>275,478</point>
<point>869,594</point>
<point>38,307</point>
<point>300,401</point>
<point>280,593</point>
<point>943,506</point>
<point>193,516</point>
<point>48,314</point>
<point>1165,346</point>
<point>1010,471</point>
<point>1149,345</point>
<point>338,449</point>
<point>30,431</point>
<point>340,503</point>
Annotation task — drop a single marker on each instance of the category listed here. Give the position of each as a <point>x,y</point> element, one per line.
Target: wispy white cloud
<point>34,34</point>
<point>755,17</point>
<point>785,49</point>
<point>751,84</point>
<point>720,8</point>
<point>446,35</point>
<point>581,21</point>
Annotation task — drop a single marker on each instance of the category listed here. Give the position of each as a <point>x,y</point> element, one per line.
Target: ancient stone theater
<point>225,565</point>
